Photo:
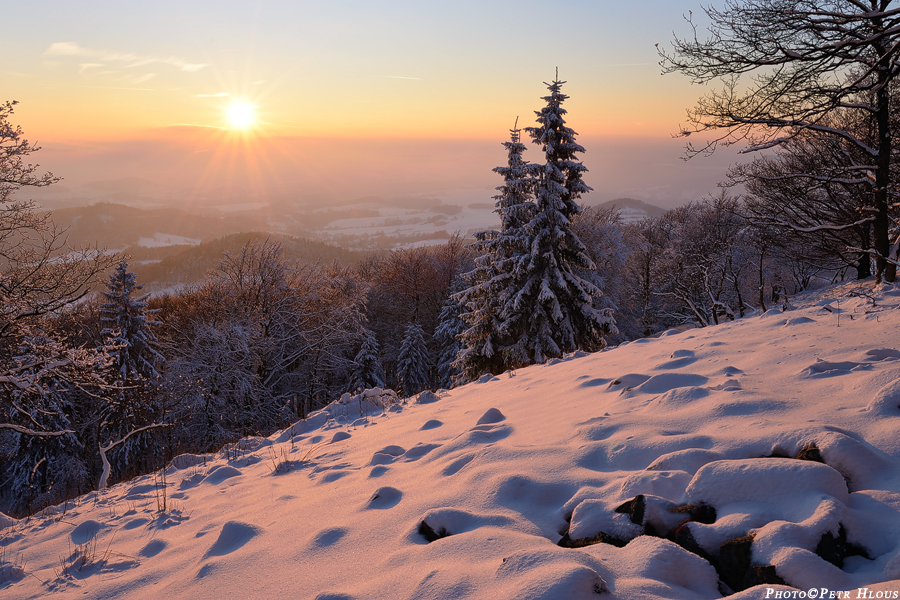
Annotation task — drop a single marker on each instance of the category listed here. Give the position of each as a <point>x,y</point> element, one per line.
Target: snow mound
<point>765,480</point>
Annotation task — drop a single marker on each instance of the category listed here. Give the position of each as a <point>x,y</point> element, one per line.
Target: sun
<point>241,116</point>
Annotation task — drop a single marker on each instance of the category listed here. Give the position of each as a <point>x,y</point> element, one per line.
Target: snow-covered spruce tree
<point>128,410</point>
<point>366,371</point>
<point>450,326</point>
<point>478,310</point>
<point>548,309</point>
<point>412,362</point>
<point>126,327</point>
<point>500,254</point>
<point>515,202</point>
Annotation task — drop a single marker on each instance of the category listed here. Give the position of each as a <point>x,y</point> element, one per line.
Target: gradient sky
<point>89,75</point>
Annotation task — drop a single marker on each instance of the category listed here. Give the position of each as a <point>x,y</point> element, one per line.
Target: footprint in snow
<point>678,359</point>
<point>485,434</point>
<point>329,537</point>
<point>825,368</point>
<point>457,465</point>
<point>387,455</point>
<point>333,476</point>
<point>665,382</point>
<point>189,482</point>
<point>626,382</point>
<point>377,471</point>
<point>135,523</point>
<point>798,321</point>
<point>137,492</point>
<point>85,532</point>
<point>340,436</point>
<point>878,354</point>
<point>886,401</point>
<point>384,498</point>
<point>730,371</point>
<point>439,523</point>
<point>418,451</point>
<point>232,536</point>
<point>593,383</point>
<point>152,548</point>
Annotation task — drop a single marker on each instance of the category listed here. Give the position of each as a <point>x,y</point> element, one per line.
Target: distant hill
<point>118,226</point>
<point>191,264</point>
<point>154,233</point>
<point>632,210</point>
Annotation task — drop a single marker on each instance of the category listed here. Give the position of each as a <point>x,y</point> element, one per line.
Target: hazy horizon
<point>278,102</point>
<point>324,171</point>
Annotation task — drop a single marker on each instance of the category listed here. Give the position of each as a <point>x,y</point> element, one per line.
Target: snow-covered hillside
<point>692,436</point>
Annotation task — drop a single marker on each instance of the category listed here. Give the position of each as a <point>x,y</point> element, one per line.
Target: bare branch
<point>34,433</point>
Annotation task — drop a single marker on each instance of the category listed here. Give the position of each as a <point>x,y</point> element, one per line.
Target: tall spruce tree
<point>499,254</point>
<point>412,362</point>
<point>548,309</point>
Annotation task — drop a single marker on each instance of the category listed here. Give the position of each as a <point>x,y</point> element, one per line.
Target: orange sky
<point>164,74</point>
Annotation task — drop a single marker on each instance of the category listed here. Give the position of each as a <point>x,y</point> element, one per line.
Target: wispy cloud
<point>84,67</point>
<point>143,78</point>
<point>128,59</point>
<point>218,95</point>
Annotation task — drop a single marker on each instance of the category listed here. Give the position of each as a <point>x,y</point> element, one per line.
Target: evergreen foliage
<point>527,301</point>
<point>450,326</point>
<point>126,327</point>
<point>366,372</point>
<point>129,404</point>
<point>479,307</point>
<point>412,363</point>
<point>550,309</point>
<point>500,253</point>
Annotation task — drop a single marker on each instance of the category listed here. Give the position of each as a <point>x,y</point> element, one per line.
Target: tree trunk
<point>863,266</point>
<point>884,270</point>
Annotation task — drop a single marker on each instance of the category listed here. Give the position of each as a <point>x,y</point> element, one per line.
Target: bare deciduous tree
<point>39,274</point>
<point>788,67</point>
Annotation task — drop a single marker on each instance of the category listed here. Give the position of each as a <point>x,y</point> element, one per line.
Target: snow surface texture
<point>467,493</point>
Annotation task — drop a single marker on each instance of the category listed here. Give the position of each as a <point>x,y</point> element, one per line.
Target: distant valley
<point>171,246</point>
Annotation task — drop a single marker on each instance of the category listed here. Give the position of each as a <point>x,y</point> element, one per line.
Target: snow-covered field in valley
<point>704,461</point>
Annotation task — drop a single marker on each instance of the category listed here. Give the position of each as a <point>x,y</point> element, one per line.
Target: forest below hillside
<point>268,336</point>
